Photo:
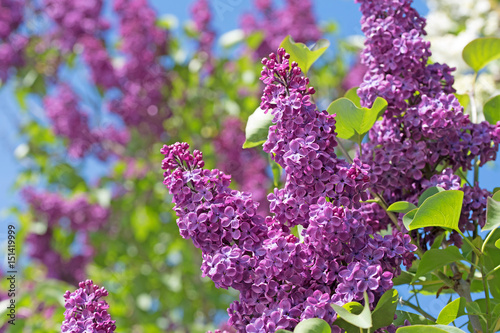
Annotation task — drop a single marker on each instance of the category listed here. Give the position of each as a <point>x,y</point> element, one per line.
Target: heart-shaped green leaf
<point>257,128</point>
<point>354,122</point>
<point>352,95</point>
<point>363,320</point>
<point>437,258</point>
<point>401,207</point>
<point>481,51</point>
<point>439,210</point>
<point>429,192</point>
<point>451,311</point>
<point>312,325</point>
<point>303,55</point>
<point>491,110</point>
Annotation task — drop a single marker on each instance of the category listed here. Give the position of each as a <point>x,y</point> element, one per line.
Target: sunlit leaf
<point>481,51</point>
<point>429,192</point>
<point>451,311</point>
<point>257,128</point>
<point>442,209</point>
<point>363,320</point>
<point>353,123</point>
<point>312,325</point>
<point>491,110</point>
<point>303,55</point>
<point>401,207</point>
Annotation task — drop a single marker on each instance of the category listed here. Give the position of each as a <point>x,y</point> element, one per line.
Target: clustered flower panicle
<point>86,311</point>
<point>424,128</point>
<point>142,79</point>
<point>282,279</point>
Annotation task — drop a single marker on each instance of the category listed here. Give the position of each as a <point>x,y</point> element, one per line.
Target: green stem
<point>474,248</point>
<point>344,151</point>
<point>487,239</point>
<point>492,271</point>
<point>418,309</point>
<point>486,294</point>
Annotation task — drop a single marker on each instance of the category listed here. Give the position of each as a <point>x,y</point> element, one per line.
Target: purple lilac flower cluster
<point>202,17</point>
<point>86,311</point>
<point>12,44</point>
<point>424,127</point>
<point>295,18</point>
<point>76,19</point>
<point>80,22</point>
<point>246,166</point>
<point>303,140</point>
<point>77,215</point>
<point>142,79</point>
<point>78,212</point>
<point>281,279</point>
<point>62,109</point>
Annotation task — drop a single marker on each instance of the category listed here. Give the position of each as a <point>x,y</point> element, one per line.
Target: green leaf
<point>440,210</point>
<point>451,311</point>
<point>283,331</point>
<point>438,240</point>
<point>301,54</point>
<point>353,122</point>
<point>143,222</point>
<point>429,329</point>
<point>383,314</point>
<point>492,214</point>
<point>496,195</point>
<point>497,243</point>
<point>313,325</point>
<point>401,207</point>
<point>473,308</point>
<point>491,110</point>
<point>428,193</point>
<point>463,99</point>
<point>352,95</point>
<point>481,51</point>
<point>255,39</point>
<point>408,218</point>
<point>437,258</point>
<point>257,128</point>
<point>413,318</point>
<point>363,320</point>
<point>276,169</point>
<point>404,278</point>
